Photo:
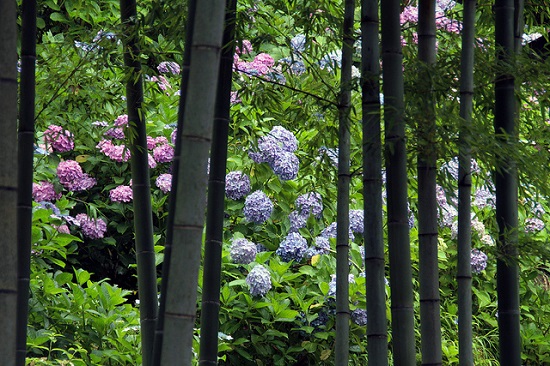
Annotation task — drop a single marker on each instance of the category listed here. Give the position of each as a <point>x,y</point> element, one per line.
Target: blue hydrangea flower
<point>257,207</point>
<point>310,204</point>
<point>356,221</point>
<point>332,284</point>
<point>478,261</point>
<point>297,221</point>
<point>293,247</point>
<point>237,185</point>
<point>298,43</point>
<point>242,251</point>
<point>261,248</point>
<point>259,281</point>
<point>285,138</point>
<point>330,232</point>
<point>359,317</point>
<point>296,65</point>
<point>286,166</point>
<point>320,246</point>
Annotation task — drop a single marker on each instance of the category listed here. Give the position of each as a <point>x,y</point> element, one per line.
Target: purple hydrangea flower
<point>297,221</point>
<point>483,198</point>
<point>286,166</point>
<point>151,144</point>
<point>71,176</point>
<point>237,185</point>
<point>242,251</point>
<point>259,281</point>
<point>287,141</point>
<point>271,146</point>
<point>121,121</point>
<point>164,182</point>
<point>321,245</point>
<point>163,153</point>
<point>356,221</point>
<point>59,139</point>
<point>173,136</point>
<point>310,203</point>
<point>298,43</point>
<point>44,191</point>
<point>116,133</point>
<point>478,260</point>
<point>257,207</point>
<point>151,161</point>
<point>359,317</point>
<point>247,47</point>
<point>293,247</point>
<point>91,228</point>
<point>169,67</point>
<point>533,225</point>
<point>121,194</point>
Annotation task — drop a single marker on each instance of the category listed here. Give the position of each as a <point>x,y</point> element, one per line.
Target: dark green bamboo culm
<point>377,327</point>
<point>210,309</point>
<point>25,155</point>
<point>172,200</point>
<point>141,186</point>
<point>506,185</point>
<point>196,135</point>
<point>8,182</point>
<point>403,340</point>
<point>342,206</point>
<point>430,323</point>
<point>464,247</point>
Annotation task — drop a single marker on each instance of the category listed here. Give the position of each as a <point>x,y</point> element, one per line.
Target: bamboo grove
<point>401,146</point>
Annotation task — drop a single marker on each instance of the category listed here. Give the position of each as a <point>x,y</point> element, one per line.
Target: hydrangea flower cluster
<point>118,153</point>
<point>359,317</point>
<point>257,207</point>
<point>293,247</point>
<point>297,221</point>
<point>44,191</point>
<point>332,284</point>
<point>330,231</point>
<point>309,203</point>
<point>277,149</point>
<point>321,245</point>
<point>171,67</point>
<point>478,261</point>
<point>246,48</point>
<point>121,194</point>
<point>242,251</point>
<point>356,221</point>
<point>59,139</point>
<point>261,65</point>
<point>91,228</point>
<point>533,225</point>
<point>237,185</point>
<point>163,153</point>
<point>259,281</point>
<point>72,177</point>
<point>164,182</point>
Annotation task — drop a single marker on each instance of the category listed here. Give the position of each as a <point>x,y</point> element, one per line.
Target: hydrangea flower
<point>478,260</point>
<point>72,177</point>
<point>44,191</point>
<point>91,228</point>
<point>242,251</point>
<point>121,194</point>
<point>151,144</point>
<point>359,317</point>
<point>116,133</point>
<point>356,221</point>
<point>286,166</point>
<point>533,225</point>
<point>246,47</point>
<point>332,284</point>
<point>63,229</point>
<point>237,185</point>
<point>310,203</point>
<point>59,139</point>
<point>293,247</point>
<point>259,281</point>
<point>321,245</point>
<point>163,153</point>
<point>298,43</point>
<point>164,182</point>
<point>257,207</point>
<point>169,67</point>
<point>330,231</point>
<point>121,121</point>
<point>151,161</point>
<point>297,221</point>
<point>119,153</point>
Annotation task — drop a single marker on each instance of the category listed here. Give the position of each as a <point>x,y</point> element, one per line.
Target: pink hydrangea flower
<point>121,194</point>
<point>59,139</point>
<point>117,133</point>
<point>72,177</point>
<point>118,153</point>
<point>44,191</point>
<point>164,182</point>
<point>163,153</point>
<point>173,136</point>
<point>91,228</point>
<point>151,143</point>
<point>246,48</point>
<point>161,140</point>
<point>169,67</point>
<point>64,229</point>
<point>151,161</point>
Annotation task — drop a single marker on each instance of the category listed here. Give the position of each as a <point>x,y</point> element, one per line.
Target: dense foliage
<point>278,283</point>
